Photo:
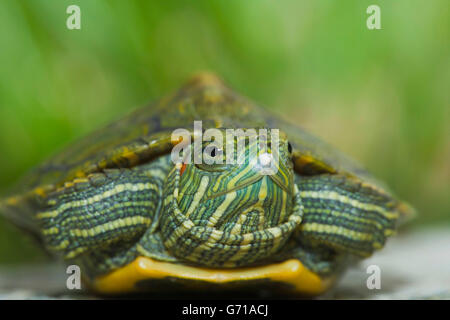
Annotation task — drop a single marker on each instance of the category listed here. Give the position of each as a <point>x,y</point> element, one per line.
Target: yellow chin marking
<point>290,272</point>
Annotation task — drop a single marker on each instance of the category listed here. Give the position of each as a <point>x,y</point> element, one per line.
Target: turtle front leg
<point>117,206</point>
<point>342,215</point>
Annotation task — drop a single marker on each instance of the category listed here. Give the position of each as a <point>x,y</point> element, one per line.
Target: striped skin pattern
<point>216,216</point>
<point>345,215</point>
<point>231,216</point>
<point>106,208</point>
<point>343,220</point>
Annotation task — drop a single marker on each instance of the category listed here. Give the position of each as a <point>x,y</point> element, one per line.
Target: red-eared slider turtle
<point>118,205</point>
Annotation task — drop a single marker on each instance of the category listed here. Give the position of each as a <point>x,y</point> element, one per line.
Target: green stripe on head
<point>230,215</point>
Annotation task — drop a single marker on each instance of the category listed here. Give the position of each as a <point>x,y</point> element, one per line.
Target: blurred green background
<point>382,96</point>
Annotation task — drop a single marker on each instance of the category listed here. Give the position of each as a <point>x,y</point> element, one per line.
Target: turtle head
<point>237,207</point>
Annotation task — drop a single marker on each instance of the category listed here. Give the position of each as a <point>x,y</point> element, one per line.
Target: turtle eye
<point>214,151</point>
<point>211,154</point>
<point>213,159</point>
<point>289,147</point>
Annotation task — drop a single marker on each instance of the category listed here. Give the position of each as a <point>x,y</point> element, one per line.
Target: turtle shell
<point>144,135</point>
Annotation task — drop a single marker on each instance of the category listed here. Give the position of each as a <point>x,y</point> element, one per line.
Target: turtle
<point>135,217</point>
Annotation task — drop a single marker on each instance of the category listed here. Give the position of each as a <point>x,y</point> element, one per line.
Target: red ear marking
<point>183,167</point>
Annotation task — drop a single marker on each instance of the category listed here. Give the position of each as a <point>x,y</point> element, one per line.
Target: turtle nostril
<point>265,159</point>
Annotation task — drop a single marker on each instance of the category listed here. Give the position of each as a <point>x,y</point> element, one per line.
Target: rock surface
<point>411,266</point>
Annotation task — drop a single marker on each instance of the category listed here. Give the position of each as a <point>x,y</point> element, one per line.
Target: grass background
<point>381,96</point>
